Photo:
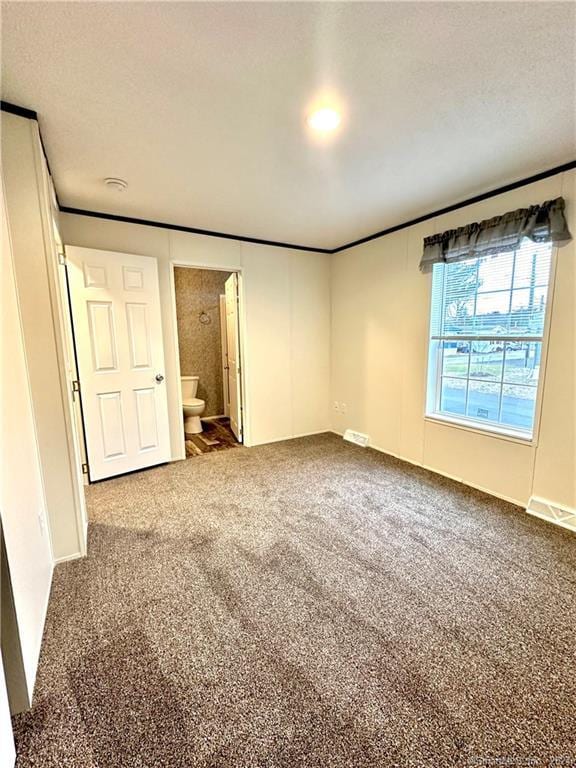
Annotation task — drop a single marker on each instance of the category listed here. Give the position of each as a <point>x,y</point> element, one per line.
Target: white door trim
<point>224,355</point>
<point>242,319</point>
<point>234,364</point>
<point>62,323</point>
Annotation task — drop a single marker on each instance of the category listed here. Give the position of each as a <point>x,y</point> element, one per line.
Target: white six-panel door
<point>233,353</point>
<point>117,327</point>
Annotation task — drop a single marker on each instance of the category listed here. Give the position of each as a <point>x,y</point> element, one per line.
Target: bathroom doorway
<point>209,353</point>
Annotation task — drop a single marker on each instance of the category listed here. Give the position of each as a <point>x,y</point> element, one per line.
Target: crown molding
<point>32,115</point>
<point>463,204</point>
<point>193,230</point>
<point>14,109</point>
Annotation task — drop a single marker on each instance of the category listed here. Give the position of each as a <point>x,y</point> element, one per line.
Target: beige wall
<point>285,308</point>
<point>22,499</point>
<point>200,344</point>
<point>380,310</point>
<point>322,328</point>
<point>28,207</point>
<point>8,751</point>
<point>378,352</point>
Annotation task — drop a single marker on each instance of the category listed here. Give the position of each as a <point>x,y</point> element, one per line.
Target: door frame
<point>55,259</point>
<point>224,355</point>
<point>246,432</point>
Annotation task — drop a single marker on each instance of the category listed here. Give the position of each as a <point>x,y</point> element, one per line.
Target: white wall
<point>555,460</point>
<point>378,351</point>
<point>380,312</point>
<point>7,750</point>
<point>287,320</point>
<point>323,328</point>
<point>22,503</point>
<point>28,209</point>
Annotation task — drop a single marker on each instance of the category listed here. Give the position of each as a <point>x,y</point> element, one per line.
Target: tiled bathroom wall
<point>197,292</point>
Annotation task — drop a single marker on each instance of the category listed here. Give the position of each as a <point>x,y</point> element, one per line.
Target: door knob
<point>159,378</point>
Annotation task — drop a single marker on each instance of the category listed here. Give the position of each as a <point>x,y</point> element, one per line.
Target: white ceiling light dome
<point>324,120</point>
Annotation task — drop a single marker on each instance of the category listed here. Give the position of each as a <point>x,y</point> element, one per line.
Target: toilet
<point>193,407</point>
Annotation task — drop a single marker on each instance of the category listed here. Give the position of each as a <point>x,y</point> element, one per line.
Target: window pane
<point>486,376</point>
<point>453,396</point>
<point>532,265</point>
<point>523,270</point>
<point>461,283</point>
<point>483,401</point>
<point>458,315</point>
<point>455,358</point>
<point>492,313</point>
<point>522,362</point>
<point>487,359</point>
<point>437,309</point>
<point>518,404</point>
<point>495,272</point>
<point>527,311</point>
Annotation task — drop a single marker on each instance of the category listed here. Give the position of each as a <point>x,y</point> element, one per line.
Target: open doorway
<point>209,345</point>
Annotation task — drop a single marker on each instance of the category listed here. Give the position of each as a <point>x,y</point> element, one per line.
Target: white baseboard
<point>440,472</point>
<point>536,506</point>
<point>67,558</point>
<point>552,512</point>
<point>289,437</point>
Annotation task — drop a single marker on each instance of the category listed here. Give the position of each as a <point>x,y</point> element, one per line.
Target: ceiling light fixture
<point>118,185</point>
<point>324,120</point>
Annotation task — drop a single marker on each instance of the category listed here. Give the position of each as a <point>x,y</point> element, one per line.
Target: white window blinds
<point>486,333</point>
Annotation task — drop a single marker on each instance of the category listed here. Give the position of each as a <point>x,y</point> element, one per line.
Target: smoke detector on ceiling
<point>118,185</point>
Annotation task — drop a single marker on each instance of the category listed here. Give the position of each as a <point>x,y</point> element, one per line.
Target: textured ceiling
<point>201,107</point>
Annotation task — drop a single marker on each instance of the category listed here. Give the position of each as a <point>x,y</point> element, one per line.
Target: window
<point>486,333</point>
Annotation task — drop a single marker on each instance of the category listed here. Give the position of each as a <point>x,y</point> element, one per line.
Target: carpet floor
<point>306,603</point>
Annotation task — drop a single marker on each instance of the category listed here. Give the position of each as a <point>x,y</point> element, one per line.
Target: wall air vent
<point>356,437</point>
<point>553,513</point>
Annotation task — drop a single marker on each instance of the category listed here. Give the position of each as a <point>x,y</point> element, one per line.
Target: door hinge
<point>85,469</point>
<point>62,258</point>
<point>75,389</point>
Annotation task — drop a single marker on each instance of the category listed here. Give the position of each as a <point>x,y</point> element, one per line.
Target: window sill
<point>488,431</point>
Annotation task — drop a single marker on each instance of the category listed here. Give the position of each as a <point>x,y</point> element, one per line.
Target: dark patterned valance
<point>541,223</point>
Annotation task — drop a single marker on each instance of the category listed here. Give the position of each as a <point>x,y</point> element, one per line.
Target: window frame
<point>491,429</point>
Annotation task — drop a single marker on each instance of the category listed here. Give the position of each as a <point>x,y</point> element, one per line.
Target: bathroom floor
<point>217,436</point>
